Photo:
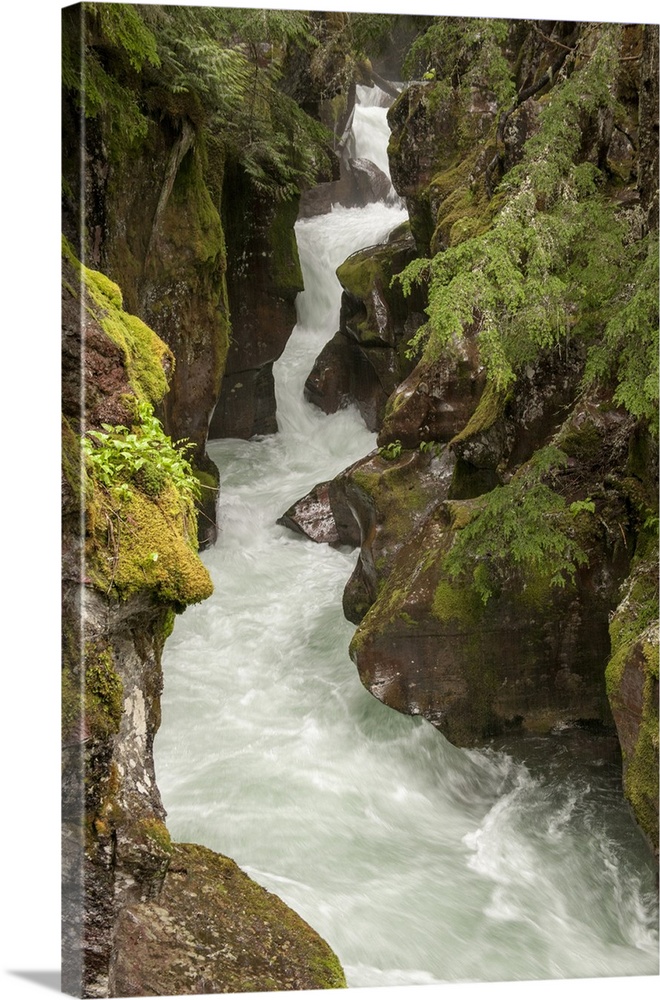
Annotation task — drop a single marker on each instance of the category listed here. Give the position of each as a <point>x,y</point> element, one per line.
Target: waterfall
<point>418,862</point>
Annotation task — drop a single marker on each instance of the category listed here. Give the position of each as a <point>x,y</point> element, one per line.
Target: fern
<point>559,261</point>
<point>524,525</point>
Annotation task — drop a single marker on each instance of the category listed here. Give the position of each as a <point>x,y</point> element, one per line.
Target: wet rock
<point>324,515</point>
<point>361,183</point>
<point>211,929</point>
<point>632,684</point>
<point>389,498</point>
<point>263,279</point>
<point>436,400</point>
<point>532,656</point>
<point>366,359</point>
<point>426,141</point>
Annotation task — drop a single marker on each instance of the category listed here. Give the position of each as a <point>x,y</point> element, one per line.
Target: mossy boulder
<point>212,929</point>
<point>183,296</point>
<point>530,658</point>
<point>437,398</point>
<point>116,356</point>
<point>389,497</point>
<point>366,359</point>
<point>523,652</point>
<point>145,543</point>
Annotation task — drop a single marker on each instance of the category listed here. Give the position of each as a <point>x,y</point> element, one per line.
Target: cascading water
<point>418,862</point>
<point>370,132</point>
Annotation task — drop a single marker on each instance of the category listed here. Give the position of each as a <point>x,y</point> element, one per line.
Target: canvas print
<point>360,499</point>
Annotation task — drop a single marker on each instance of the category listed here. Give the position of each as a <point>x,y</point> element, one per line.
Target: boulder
<point>360,183</point>
<point>366,359</point>
<point>532,654</point>
<point>324,515</point>
<point>211,929</point>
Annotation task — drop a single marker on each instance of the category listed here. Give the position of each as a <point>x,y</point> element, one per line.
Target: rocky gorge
<point>182,303</point>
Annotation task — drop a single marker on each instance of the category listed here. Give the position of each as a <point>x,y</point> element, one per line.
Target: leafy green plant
<point>142,457</point>
<point>525,525</point>
<point>391,451</point>
<point>430,448</point>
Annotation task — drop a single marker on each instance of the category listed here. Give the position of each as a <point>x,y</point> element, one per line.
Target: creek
<point>418,862</point>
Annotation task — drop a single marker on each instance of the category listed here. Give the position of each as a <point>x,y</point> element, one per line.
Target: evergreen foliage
<point>525,524</point>
<point>461,52</point>
<point>561,261</point>
<point>227,60</point>
<point>104,48</point>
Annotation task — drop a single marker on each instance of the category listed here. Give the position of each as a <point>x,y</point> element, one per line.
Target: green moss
<point>637,611</point>
<point>104,690</point>
<point>72,699</point>
<point>358,273</point>
<point>583,443</point>
<point>634,638</point>
<point>285,263</point>
<point>489,409</point>
<point>146,543</point>
<point>463,208</point>
<point>457,602</point>
<point>157,833</point>
<point>193,220</point>
<point>146,356</point>
<point>641,767</point>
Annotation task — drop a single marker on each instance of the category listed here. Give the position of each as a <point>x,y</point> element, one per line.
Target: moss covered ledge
<point>214,930</point>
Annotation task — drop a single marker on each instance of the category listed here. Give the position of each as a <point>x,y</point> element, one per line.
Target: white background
<point>29,492</point>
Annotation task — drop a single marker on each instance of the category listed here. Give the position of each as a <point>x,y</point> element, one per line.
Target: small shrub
<point>143,457</point>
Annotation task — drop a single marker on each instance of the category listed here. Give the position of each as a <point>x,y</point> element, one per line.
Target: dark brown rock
<point>211,929</point>
<point>436,400</point>
<point>361,182</point>
<point>426,140</point>
<point>531,658</point>
<point>263,279</point>
<point>366,359</point>
<point>325,514</point>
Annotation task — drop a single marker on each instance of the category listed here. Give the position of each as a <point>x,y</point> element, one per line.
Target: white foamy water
<point>370,132</point>
<point>418,862</point>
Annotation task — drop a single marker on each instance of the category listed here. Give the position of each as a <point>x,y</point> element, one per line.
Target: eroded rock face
<point>530,660</point>
<point>632,684</point>
<point>366,359</point>
<point>324,514</point>
<point>263,279</point>
<point>532,656</point>
<point>360,183</point>
<point>436,400</point>
<point>425,143</point>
